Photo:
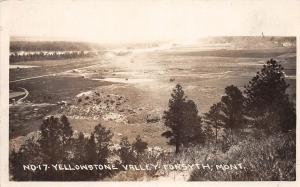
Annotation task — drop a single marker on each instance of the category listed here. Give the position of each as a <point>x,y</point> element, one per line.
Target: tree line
<point>15,57</point>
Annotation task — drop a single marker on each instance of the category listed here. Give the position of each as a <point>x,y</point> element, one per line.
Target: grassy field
<point>52,89</point>
<point>48,67</point>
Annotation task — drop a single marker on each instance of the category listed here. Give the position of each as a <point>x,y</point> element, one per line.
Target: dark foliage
<point>139,145</point>
<point>228,113</point>
<point>56,145</point>
<point>126,152</point>
<point>48,46</point>
<point>267,97</point>
<point>182,119</point>
<point>215,118</point>
<point>15,57</point>
<point>232,108</point>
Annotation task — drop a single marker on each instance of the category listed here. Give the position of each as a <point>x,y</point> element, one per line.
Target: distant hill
<point>52,46</point>
<point>46,44</point>
<point>231,42</point>
<point>49,46</point>
<point>254,42</point>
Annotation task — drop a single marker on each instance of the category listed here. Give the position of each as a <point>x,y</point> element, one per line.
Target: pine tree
<point>80,149</point>
<point>91,150</point>
<point>215,118</point>
<point>182,120</point>
<point>267,97</point>
<point>229,113</point>
<point>192,131</point>
<point>67,133</point>
<point>51,140</point>
<point>266,89</point>
<point>55,144</point>
<point>103,138</point>
<point>233,107</point>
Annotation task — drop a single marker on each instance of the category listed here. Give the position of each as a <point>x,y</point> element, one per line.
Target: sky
<point>147,20</point>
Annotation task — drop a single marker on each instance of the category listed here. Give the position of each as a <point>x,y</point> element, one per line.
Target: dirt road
<point>24,97</point>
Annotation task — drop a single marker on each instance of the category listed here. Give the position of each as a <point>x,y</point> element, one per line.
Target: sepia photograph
<point>153,91</point>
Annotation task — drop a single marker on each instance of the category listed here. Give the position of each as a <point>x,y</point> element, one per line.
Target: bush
<point>270,159</point>
<point>139,145</point>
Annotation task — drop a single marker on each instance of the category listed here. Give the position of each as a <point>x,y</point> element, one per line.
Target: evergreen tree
<point>215,118</point>
<point>229,113</point>
<point>267,97</point>
<point>91,150</point>
<point>266,89</point>
<point>51,140</point>
<point>233,107</point>
<point>192,130</point>
<point>91,158</point>
<point>80,145</point>
<point>55,144</point>
<point>67,133</point>
<point>182,119</point>
<point>103,138</point>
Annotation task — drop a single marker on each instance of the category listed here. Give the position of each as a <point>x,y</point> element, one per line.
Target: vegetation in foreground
<point>255,127</point>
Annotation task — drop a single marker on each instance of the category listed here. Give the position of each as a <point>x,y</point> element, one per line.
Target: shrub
<point>270,159</point>
<point>139,145</point>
